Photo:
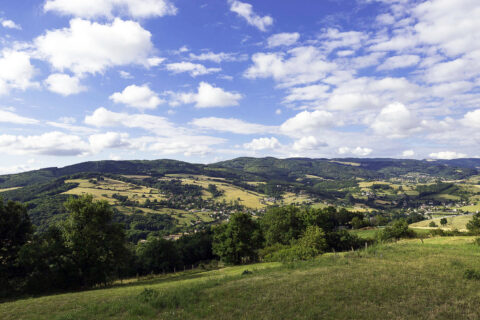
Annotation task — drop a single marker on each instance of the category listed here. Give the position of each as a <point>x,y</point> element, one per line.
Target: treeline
<point>86,250</point>
<point>286,233</point>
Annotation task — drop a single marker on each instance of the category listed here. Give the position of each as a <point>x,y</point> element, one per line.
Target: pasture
<point>404,280</point>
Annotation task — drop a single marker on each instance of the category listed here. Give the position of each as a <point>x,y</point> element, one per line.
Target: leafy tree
<point>157,255</point>
<point>281,225</point>
<point>97,244</point>
<point>238,240</point>
<point>432,224</point>
<point>443,221</point>
<point>397,230</point>
<point>474,225</point>
<point>15,231</point>
<point>313,238</point>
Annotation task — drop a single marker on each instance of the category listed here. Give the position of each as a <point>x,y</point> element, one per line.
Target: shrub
<point>471,274</point>
<point>432,224</point>
<point>397,230</point>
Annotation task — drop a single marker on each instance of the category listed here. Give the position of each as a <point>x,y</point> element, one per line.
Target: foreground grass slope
<point>406,280</point>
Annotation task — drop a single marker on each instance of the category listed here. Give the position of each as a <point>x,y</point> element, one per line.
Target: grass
<point>404,280</point>
<point>457,222</point>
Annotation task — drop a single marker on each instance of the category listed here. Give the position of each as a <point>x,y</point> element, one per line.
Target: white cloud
<point>64,84</point>
<point>232,125</point>
<point>207,96</point>
<point>472,119</point>
<point>245,10</point>
<point>447,155</point>
<point>10,24</point>
<point>333,39</point>
<point>186,145</point>
<point>358,151</point>
<point>10,117</point>
<point>216,57</point>
<point>302,65</point>
<point>51,143</point>
<point>308,143</point>
<point>158,125</point>
<point>194,69</point>
<point>17,168</point>
<point>398,62</point>
<point>90,47</point>
<point>16,71</point>
<point>313,92</point>
<point>99,142</point>
<point>262,144</point>
<point>283,39</point>
<point>141,97</point>
<point>111,8</point>
<point>125,74</point>
<point>395,121</point>
<point>307,122</point>
<point>408,153</point>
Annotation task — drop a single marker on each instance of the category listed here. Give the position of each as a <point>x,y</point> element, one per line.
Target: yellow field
<point>104,190</point>
<point>353,164</point>
<point>249,199</point>
<point>457,222</point>
<point>9,189</point>
<point>292,198</point>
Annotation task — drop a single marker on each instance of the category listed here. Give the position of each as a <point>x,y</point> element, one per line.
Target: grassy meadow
<point>456,222</point>
<point>404,280</point>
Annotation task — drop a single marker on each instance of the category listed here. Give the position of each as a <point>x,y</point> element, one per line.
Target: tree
<point>157,255</point>
<point>474,225</point>
<point>281,225</point>
<point>432,224</point>
<point>238,240</point>
<point>15,230</point>
<point>443,221</point>
<point>97,244</point>
<point>313,238</point>
<point>398,229</point>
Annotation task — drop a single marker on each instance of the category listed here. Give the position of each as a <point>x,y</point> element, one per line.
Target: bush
<point>397,230</point>
<point>432,224</point>
<point>471,274</point>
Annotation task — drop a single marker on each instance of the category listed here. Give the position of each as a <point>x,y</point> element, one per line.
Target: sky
<point>210,80</point>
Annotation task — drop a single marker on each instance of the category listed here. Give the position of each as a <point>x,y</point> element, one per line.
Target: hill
<point>405,280</point>
<point>169,196</point>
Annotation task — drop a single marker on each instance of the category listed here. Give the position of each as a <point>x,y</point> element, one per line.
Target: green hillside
<point>406,280</point>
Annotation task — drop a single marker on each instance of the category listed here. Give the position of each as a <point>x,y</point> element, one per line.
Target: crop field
<point>249,199</point>
<point>404,280</point>
<point>457,222</point>
<point>9,189</point>
<point>105,189</point>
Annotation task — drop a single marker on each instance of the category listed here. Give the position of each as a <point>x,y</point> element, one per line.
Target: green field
<point>405,280</point>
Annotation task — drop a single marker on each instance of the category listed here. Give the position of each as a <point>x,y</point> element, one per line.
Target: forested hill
<point>260,169</point>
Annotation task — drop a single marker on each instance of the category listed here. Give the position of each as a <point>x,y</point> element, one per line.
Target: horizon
<point>226,160</point>
<point>138,79</point>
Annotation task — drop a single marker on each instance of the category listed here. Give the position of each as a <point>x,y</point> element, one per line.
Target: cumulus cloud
<point>90,47</point>
<point>51,143</point>
<point>447,155</point>
<point>216,57</point>
<point>111,8</point>
<point>99,142</point>
<point>262,144</point>
<point>307,122</point>
<point>11,117</point>
<point>408,153</point>
<point>395,121</point>
<point>207,96</point>
<point>245,10</point>
<point>102,118</point>
<point>232,125</point>
<point>358,151</point>
<point>472,119</point>
<point>141,97</point>
<point>16,72</point>
<point>283,39</point>
<point>194,69</point>
<point>300,65</point>
<point>64,84</point>
<point>308,143</point>
<point>398,62</point>
<point>9,24</point>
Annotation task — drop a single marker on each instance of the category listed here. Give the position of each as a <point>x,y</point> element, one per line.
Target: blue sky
<point>205,81</point>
